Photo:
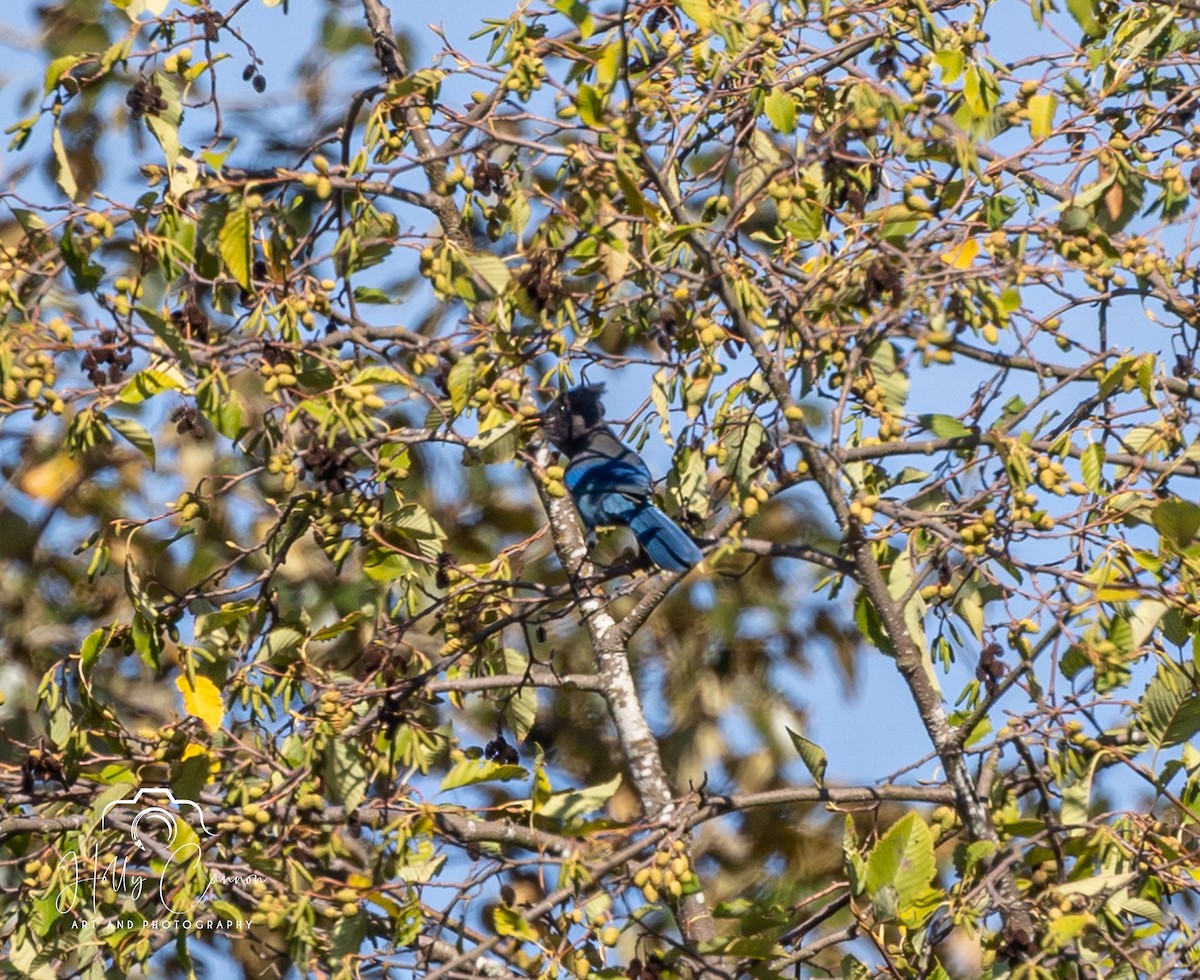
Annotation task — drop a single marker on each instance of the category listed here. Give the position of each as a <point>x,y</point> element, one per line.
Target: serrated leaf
<point>1177,521</point>
<point>497,441</point>
<point>469,772</point>
<point>944,426</point>
<point>575,803</point>
<point>1123,902</point>
<point>491,269</point>
<point>979,91</point>
<point>781,111</point>
<point>1077,799</point>
<point>698,10</point>
<point>968,603</point>
<point>280,642</point>
<point>591,106</point>
<point>890,379</point>
<point>1041,110</point>
<point>903,859</point>
<point>1170,707</point>
<point>951,62</point>
<point>520,703</point>
<point>384,566</point>
<point>1084,12</point>
<point>147,384</point>
<point>135,433</point>
<point>1091,465</point>
<point>812,755</point>
<point>458,383</point>
<point>508,922</point>
<point>202,701</point>
<point>688,482</point>
<point>91,648</point>
<point>164,123</point>
<point>345,773</point>
<point>962,256</point>
<point>234,245</point>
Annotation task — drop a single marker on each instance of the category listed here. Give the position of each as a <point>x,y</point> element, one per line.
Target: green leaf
<point>459,382</point>
<point>968,603</point>
<point>85,274</point>
<point>520,703</point>
<point>903,858</point>
<point>220,406</point>
<point>469,772</point>
<point>699,10</point>
<point>591,106</point>
<point>1177,521</point>
<point>889,378</point>
<point>134,432</point>
<point>688,482</point>
<point>812,755</point>
<point>1041,115</point>
<point>57,68</point>
<point>279,644</point>
<point>1170,708</point>
<point>63,173</point>
<point>384,566</point>
<point>147,384</point>
<point>345,773</point>
<point>951,62</point>
<point>497,444</point>
<point>491,269</point>
<point>369,294</point>
<point>781,111</point>
<point>980,91</point>
<point>1084,12</point>
<point>347,936</point>
<point>852,860</point>
<point>508,922</point>
<point>579,14</point>
<point>1076,799</point>
<point>572,804</point>
<point>93,645</point>
<point>944,426</point>
<point>164,123</point>
<point>1091,464</point>
<point>234,242</point>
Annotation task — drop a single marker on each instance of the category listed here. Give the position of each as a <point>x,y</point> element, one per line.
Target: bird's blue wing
<point>604,465</point>
<point>663,540</point>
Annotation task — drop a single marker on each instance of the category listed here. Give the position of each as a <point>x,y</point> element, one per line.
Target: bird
<point>609,482</point>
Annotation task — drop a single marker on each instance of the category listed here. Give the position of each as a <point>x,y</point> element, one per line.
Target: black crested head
<point>572,415</point>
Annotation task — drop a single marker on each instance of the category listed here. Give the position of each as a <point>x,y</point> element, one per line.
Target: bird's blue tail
<point>663,540</point>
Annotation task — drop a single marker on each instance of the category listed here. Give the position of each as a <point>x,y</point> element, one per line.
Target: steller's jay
<point>609,482</point>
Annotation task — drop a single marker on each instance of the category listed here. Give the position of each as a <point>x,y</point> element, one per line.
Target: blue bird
<point>609,482</point>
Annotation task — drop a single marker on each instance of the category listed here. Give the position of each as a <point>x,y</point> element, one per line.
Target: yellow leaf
<point>194,750</point>
<point>1041,115</point>
<point>203,702</point>
<point>962,256</point>
<point>508,922</point>
<point>1114,201</point>
<point>49,480</point>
